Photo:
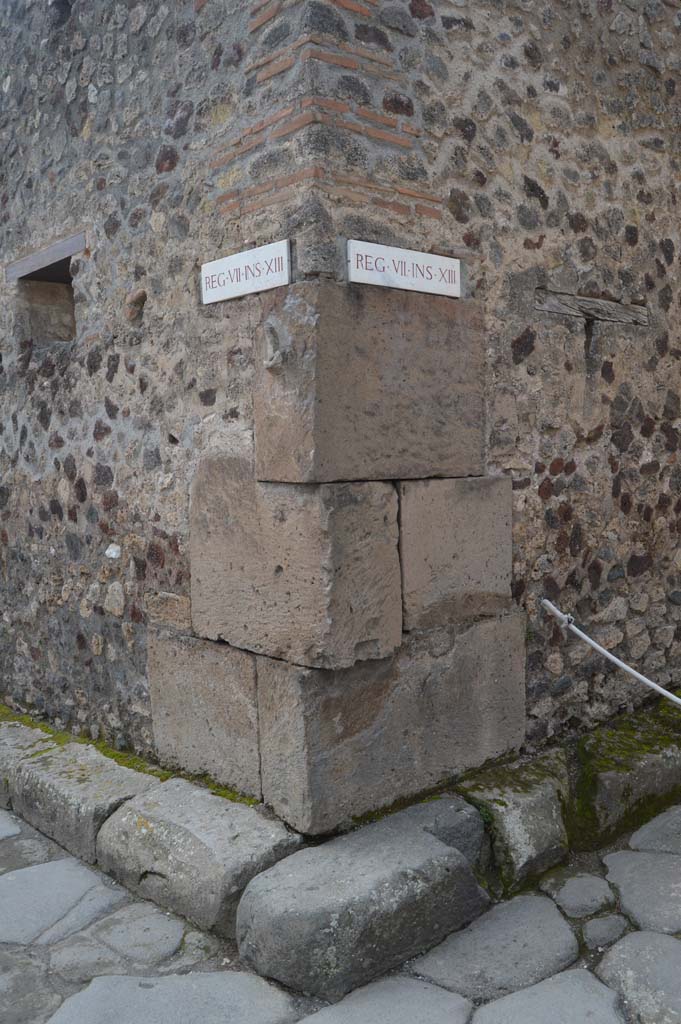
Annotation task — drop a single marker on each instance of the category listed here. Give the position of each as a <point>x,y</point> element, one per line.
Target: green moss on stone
<point>122,757</point>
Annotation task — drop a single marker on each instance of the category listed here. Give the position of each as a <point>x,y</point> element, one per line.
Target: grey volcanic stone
<point>603,931</point>
<point>645,968</point>
<point>661,835</point>
<point>514,945</point>
<point>28,992</point>
<point>17,742</point>
<point>396,1001</point>
<point>27,848</point>
<point>67,792</point>
<point>9,826</point>
<point>191,851</point>
<point>525,804</point>
<point>580,895</point>
<point>35,899</point>
<point>452,820</point>
<point>220,998</point>
<point>571,997</point>
<point>141,932</point>
<point>331,918</point>
<point>648,884</point>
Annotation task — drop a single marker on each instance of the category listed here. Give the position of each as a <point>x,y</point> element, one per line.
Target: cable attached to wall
<point>568,623</point>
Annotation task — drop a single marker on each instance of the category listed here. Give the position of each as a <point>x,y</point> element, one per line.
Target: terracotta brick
<point>275,69</point>
<point>331,58</point>
<point>266,15</point>
<point>371,115</point>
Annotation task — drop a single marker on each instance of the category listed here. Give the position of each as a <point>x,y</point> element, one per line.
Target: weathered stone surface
<point>27,848</point>
<point>68,792</point>
<point>168,610</point>
<point>578,895</point>
<point>191,851</point>
<point>525,804</point>
<point>141,932</point>
<point>451,820</point>
<point>62,896</point>
<point>603,931</point>
<point>648,886</point>
<point>204,709</point>
<point>342,394</point>
<point>661,835</point>
<point>334,917</point>
<point>569,997</point>
<point>28,992</point>
<point>16,742</point>
<point>631,770</point>
<point>645,968</point>
<point>335,745</point>
<point>221,998</point>
<point>513,945</point>
<point>455,549</point>
<point>396,1001</point>
<point>309,574</point>
<point>9,826</point>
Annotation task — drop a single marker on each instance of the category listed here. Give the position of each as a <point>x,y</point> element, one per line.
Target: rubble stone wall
<point>537,141</point>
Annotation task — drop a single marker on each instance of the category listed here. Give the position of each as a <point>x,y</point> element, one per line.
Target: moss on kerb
<point>619,748</point>
<point>123,757</point>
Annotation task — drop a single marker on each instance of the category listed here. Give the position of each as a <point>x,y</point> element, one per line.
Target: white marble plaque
<point>254,270</point>
<point>390,267</point>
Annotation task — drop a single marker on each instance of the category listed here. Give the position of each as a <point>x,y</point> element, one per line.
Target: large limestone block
<point>204,708</point>
<point>68,792</point>
<point>335,745</point>
<point>335,916</point>
<point>309,574</point>
<point>356,383</point>
<point>455,548</point>
<point>191,851</point>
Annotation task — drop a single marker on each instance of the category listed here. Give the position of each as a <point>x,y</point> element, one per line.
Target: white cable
<point>567,622</point>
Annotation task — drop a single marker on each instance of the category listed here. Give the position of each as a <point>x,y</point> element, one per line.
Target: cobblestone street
<point>595,942</point>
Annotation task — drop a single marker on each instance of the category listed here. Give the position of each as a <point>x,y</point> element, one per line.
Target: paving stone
<point>329,919</point>
<point>101,898</point>
<point>571,997</point>
<point>17,742</point>
<point>35,899</point>
<point>603,931</point>
<point>211,998</point>
<point>661,835</point>
<point>648,886</point>
<point>580,895</point>
<point>80,959</point>
<point>514,945</point>
<point>28,994</point>
<point>645,968</point>
<point>525,805</point>
<point>455,549</point>
<point>396,1001</point>
<point>26,849</point>
<point>9,826</point>
<point>308,574</point>
<point>67,792</point>
<point>191,851</point>
<point>141,932</point>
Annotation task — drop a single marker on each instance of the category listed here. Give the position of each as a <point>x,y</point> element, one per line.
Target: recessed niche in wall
<point>45,291</point>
